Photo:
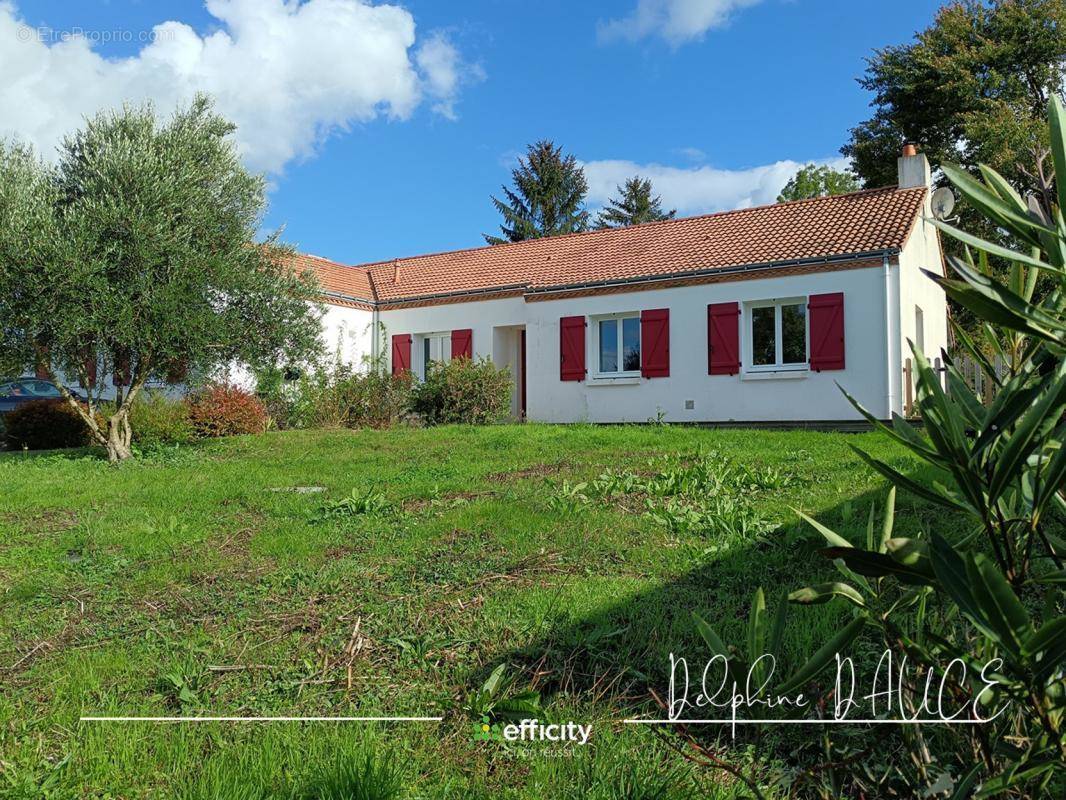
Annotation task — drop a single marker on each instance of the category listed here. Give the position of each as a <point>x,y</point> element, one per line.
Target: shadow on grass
<point>68,453</point>
<point>622,651</point>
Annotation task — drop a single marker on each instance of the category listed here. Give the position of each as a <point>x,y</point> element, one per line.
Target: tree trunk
<point>119,435</point>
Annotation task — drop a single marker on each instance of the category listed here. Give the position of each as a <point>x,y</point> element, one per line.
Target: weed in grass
<point>584,606</point>
<point>568,498</point>
<point>368,778</point>
<point>182,686</point>
<point>44,781</point>
<point>498,699</point>
<point>369,503</point>
<point>703,493</point>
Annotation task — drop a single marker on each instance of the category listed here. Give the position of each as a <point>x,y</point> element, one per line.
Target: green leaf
<point>823,656</point>
<point>824,592</point>
<point>965,786</point>
<point>1057,123</point>
<point>962,338</point>
<point>991,248</point>
<point>756,625</point>
<point>950,569</point>
<point>910,552</point>
<point>1052,478</point>
<point>1010,461</point>
<point>737,668</point>
<point>1001,607</point>
<point>994,207</point>
<point>879,565</point>
<point>1049,642</point>
<point>911,486</point>
<point>890,518</point>
<point>1001,186</point>
<point>1019,774</point>
<point>835,539</point>
<point>1057,578</point>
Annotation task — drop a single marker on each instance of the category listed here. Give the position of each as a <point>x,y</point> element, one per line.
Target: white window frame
<point>595,340</point>
<point>445,338</point>
<point>749,335</point>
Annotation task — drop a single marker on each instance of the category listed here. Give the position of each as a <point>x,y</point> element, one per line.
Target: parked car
<point>19,391</point>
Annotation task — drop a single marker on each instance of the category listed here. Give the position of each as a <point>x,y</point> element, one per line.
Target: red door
<point>522,375</point>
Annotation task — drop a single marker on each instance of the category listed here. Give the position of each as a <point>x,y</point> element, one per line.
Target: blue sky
<point>384,129</point>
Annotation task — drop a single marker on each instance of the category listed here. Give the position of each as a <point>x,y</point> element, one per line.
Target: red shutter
<point>827,331</point>
<point>572,349</point>
<point>462,343</point>
<point>723,338</point>
<point>655,343</point>
<point>401,353</point>
<point>121,375</point>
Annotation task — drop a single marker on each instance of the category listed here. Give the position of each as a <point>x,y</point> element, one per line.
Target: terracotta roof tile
<point>861,222</point>
<point>352,282</point>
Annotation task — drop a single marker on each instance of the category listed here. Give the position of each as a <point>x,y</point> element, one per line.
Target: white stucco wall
<point>922,251</point>
<point>494,325</point>
<point>747,397</point>
<point>349,336</point>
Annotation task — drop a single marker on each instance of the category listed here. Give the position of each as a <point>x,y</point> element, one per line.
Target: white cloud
<point>676,21</point>
<point>444,72</point>
<point>693,154</point>
<point>287,73</point>
<point>698,190</point>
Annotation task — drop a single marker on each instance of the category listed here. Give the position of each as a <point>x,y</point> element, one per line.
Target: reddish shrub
<point>46,425</point>
<point>222,410</point>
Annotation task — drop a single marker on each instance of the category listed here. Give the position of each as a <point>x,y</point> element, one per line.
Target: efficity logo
<point>532,730</point>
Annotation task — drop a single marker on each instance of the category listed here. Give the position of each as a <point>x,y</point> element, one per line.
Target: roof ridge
<point>367,265</point>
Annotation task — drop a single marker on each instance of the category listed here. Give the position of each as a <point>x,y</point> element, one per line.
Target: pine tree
<point>633,206</point>
<point>548,198</point>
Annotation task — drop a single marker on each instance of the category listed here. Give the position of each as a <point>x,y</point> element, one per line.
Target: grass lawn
<point>198,582</point>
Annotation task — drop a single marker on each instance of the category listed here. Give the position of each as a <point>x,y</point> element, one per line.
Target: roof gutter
<point>767,265</point>
<point>512,287</point>
<point>348,297</point>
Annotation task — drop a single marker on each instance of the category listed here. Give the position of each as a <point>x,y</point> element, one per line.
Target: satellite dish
<point>943,203</point>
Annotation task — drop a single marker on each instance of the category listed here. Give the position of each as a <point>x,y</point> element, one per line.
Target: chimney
<point>913,168</point>
<point>395,271</point>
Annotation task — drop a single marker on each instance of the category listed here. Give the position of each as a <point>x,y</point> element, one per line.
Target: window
<point>435,347</point>
<point>919,329</point>
<point>618,344</point>
<point>778,337</point>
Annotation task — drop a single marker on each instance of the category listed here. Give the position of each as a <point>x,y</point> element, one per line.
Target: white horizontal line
<point>261,719</point>
<point>804,721</point>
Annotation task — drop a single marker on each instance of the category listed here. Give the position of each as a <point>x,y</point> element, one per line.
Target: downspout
<point>890,343</point>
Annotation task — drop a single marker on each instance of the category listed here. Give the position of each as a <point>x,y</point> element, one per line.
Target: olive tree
<point>136,253</point>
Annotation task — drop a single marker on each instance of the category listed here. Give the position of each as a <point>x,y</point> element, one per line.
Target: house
<point>752,315</point>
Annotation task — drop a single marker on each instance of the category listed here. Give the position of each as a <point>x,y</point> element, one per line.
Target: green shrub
<point>294,403</point>
<point>336,397</point>
<point>45,425</point>
<point>463,391</point>
<point>373,399</point>
<point>157,420</point>
<point>991,602</point>
<point>222,410</point>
